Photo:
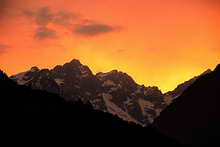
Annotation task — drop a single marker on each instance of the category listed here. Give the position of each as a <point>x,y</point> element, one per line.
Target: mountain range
<point>115,92</point>
<point>191,119</point>
<point>30,116</point>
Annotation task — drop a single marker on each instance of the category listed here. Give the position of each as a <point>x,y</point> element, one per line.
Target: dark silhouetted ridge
<point>193,118</point>
<point>217,69</point>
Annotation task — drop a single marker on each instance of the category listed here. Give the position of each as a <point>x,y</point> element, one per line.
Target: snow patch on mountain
<point>144,106</point>
<point>103,75</point>
<point>115,110</point>
<point>21,78</point>
<point>108,83</point>
<point>59,81</point>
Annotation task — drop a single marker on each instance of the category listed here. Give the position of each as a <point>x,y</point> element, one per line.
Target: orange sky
<point>159,43</point>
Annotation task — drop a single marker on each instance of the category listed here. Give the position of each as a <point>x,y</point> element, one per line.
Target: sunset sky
<point>158,42</point>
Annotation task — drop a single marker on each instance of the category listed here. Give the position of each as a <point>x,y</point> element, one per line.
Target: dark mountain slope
<point>194,117</point>
<point>33,114</point>
<point>171,95</point>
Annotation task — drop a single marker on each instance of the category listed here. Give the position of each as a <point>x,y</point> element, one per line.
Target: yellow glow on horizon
<point>158,43</point>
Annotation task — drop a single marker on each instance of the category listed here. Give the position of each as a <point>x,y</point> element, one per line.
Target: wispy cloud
<point>93,29</point>
<point>44,15</point>
<point>73,22</point>
<point>44,33</point>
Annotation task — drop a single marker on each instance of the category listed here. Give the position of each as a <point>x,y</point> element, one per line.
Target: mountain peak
<point>34,69</point>
<point>73,65</point>
<point>75,61</point>
<point>114,71</point>
<point>116,75</point>
<point>206,72</point>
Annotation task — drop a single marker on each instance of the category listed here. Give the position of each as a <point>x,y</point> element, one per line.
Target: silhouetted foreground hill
<point>35,114</point>
<point>193,118</point>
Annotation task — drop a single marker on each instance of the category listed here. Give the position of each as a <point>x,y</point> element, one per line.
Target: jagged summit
<point>34,69</point>
<point>57,68</point>
<point>117,77</point>
<point>74,63</point>
<point>75,67</point>
<point>205,72</point>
